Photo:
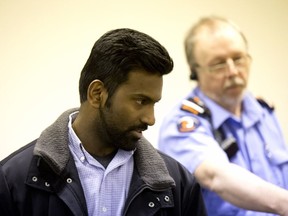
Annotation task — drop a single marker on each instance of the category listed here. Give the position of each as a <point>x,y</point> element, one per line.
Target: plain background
<point>45,44</point>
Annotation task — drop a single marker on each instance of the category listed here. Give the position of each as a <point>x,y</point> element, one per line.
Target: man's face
<point>224,46</point>
<point>131,109</point>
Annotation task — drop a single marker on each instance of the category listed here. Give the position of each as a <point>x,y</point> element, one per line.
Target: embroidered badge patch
<point>188,124</point>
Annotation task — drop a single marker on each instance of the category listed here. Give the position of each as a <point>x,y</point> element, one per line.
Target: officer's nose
<point>231,68</point>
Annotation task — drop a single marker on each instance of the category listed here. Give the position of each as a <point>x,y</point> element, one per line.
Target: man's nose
<point>149,117</point>
<point>231,68</point>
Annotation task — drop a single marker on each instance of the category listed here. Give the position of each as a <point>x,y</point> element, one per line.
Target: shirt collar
<point>79,150</point>
<point>251,112</point>
<point>74,142</point>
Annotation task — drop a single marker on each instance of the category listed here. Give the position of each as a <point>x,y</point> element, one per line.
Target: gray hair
<point>211,22</point>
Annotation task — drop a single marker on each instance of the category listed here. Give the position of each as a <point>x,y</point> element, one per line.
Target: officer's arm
<point>242,188</point>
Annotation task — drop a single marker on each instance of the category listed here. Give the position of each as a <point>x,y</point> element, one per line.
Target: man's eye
<point>141,101</point>
<point>239,60</point>
<point>219,65</point>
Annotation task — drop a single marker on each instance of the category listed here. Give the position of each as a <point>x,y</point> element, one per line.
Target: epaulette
<point>196,106</point>
<point>264,104</point>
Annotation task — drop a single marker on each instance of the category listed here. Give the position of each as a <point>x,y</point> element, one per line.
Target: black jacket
<point>41,179</point>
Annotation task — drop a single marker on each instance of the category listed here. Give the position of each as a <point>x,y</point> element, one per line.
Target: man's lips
<point>137,133</point>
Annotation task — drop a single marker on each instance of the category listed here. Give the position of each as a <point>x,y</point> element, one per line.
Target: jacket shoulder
<point>177,171</point>
<point>19,158</point>
<point>187,191</point>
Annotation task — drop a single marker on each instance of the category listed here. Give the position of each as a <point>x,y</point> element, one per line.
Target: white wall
<point>44,45</point>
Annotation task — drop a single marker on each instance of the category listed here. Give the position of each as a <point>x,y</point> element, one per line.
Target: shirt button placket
<point>104,209</point>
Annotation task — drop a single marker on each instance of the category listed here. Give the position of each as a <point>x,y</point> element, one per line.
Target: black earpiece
<point>193,75</point>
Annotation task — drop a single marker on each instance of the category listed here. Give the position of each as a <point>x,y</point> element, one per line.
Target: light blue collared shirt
<point>105,190</point>
<point>262,149</point>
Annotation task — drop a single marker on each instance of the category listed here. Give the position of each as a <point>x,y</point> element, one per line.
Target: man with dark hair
<point>228,139</point>
<point>94,160</point>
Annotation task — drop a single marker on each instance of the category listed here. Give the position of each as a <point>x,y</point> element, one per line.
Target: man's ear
<point>96,93</point>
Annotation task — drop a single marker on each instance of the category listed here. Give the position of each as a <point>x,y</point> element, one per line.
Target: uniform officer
<point>231,141</point>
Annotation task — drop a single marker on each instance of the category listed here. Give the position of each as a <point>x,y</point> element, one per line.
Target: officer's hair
<point>211,22</point>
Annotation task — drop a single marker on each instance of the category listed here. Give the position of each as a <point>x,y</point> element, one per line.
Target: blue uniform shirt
<point>262,150</point>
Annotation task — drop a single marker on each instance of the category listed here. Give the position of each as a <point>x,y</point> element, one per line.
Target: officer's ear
<point>96,93</point>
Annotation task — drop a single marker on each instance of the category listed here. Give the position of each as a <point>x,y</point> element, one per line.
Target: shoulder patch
<point>187,124</point>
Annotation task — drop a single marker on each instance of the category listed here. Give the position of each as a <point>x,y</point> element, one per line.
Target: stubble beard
<point>113,135</point>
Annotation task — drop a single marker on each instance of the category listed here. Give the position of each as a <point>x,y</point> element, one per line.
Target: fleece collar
<point>52,146</point>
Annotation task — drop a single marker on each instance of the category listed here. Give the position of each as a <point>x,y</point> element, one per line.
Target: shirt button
<point>268,152</point>
<point>104,209</point>
<point>82,159</point>
<point>69,180</point>
<point>34,178</point>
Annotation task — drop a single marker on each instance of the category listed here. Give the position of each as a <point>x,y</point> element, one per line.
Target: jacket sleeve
<point>192,199</point>
<point>187,192</point>
<point>6,207</point>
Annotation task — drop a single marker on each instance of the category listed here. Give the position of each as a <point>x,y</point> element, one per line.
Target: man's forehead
<point>225,34</point>
<point>216,30</point>
<point>141,76</point>
<point>144,83</point>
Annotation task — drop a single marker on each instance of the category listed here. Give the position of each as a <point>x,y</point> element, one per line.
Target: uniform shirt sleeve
<point>189,139</point>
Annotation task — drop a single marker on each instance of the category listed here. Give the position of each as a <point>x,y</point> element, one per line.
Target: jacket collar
<point>52,146</point>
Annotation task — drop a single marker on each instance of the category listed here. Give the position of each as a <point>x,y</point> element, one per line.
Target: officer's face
<point>224,64</point>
